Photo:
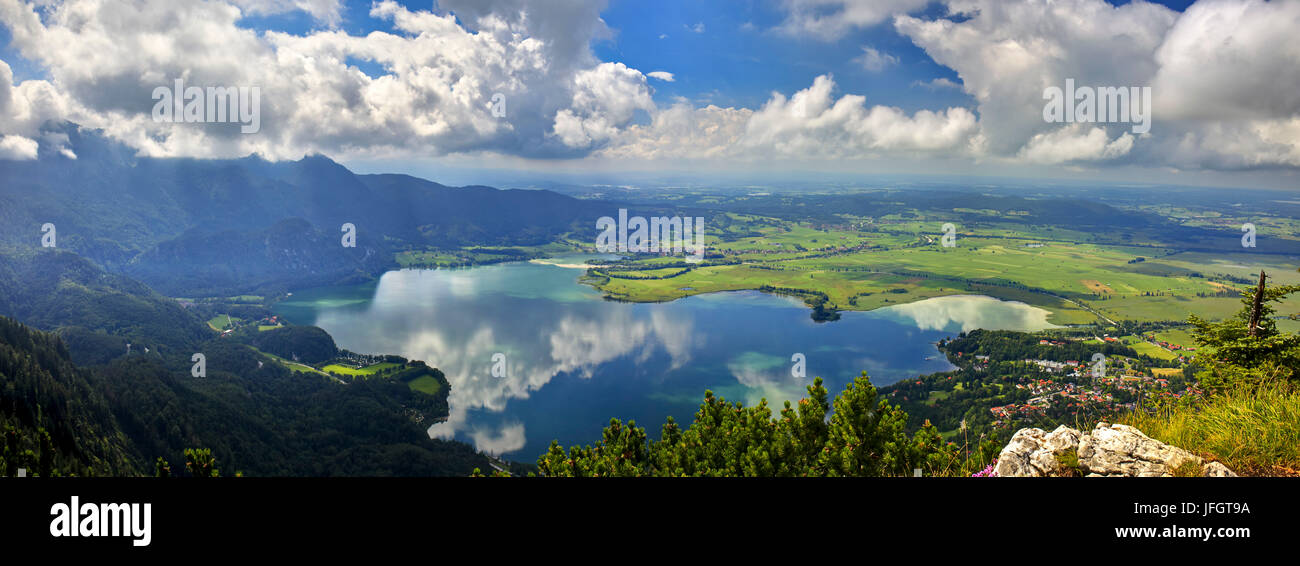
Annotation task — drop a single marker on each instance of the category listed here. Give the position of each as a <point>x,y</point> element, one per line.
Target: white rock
<point>1108,451</point>
<point>1032,453</point>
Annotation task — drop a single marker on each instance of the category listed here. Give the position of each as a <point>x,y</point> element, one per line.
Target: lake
<point>573,360</point>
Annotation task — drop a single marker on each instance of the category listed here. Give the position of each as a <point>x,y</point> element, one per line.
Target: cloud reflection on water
<point>970,312</point>
<point>548,326</point>
<point>461,343</point>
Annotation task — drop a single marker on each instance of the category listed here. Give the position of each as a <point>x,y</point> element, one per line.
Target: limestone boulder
<point>1106,451</point>
<point>1034,453</point>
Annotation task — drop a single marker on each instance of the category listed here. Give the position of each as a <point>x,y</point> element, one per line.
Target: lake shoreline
<point>573,358</point>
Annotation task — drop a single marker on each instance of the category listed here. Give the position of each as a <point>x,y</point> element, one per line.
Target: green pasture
<point>425,384</point>
<point>358,372</point>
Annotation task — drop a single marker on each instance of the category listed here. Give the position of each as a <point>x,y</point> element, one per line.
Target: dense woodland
<point>54,419</point>
<point>76,401</point>
<point>307,344</point>
<point>862,436</point>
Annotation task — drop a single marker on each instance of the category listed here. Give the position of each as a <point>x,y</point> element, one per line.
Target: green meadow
<point>888,263</point>
<point>425,384</point>
<point>223,321</point>
<point>359,372</point>
<point>292,365</point>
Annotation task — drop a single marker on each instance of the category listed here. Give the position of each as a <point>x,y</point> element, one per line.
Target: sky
<point>475,90</point>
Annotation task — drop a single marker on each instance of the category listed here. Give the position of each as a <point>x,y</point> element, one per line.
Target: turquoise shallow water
<point>573,360</point>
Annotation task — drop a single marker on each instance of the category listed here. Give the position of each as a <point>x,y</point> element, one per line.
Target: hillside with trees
<point>55,421</point>
<point>78,400</point>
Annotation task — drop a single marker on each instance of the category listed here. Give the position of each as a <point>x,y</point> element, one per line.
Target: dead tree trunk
<point>1258,307</point>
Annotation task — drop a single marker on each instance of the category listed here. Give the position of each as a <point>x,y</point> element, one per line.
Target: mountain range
<point>203,227</point>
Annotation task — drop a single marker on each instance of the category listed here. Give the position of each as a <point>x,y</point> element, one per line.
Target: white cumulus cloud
<point>812,122</point>
<point>831,19</point>
<point>1222,74</point>
<point>1222,77</point>
<point>434,95</point>
<point>17,148</point>
<point>875,60</point>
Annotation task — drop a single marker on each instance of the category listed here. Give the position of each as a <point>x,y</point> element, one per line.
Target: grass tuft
<point>1253,432</point>
<point>1068,463</point>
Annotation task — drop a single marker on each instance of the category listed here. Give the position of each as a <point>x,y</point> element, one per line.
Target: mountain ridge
<point>137,215</point>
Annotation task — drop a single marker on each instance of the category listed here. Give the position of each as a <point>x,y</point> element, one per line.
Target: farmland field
<point>877,265</point>
<point>1148,349</point>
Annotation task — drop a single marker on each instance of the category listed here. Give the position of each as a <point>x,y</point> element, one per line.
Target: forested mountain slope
<point>54,419</point>
<point>124,408</point>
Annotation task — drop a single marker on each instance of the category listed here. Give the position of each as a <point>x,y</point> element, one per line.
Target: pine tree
<point>45,463</point>
<point>865,436</point>
<point>200,463</point>
<point>1248,347</point>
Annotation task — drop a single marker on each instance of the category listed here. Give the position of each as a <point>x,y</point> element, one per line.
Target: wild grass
<point>1252,431</point>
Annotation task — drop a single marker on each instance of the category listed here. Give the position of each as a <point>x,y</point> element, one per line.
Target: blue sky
<point>727,52</point>
<point>744,65</point>
<point>756,83</point>
<point>736,60</point>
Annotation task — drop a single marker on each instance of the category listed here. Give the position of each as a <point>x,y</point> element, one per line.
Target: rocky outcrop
<point>1108,450</point>
<point>1034,453</point>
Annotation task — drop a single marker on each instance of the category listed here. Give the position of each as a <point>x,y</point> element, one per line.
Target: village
<point>1072,385</point>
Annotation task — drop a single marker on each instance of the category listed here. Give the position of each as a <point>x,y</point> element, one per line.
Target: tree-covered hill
<point>290,253</point>
<point>307,344</point>
<point>113,410</point>
<point>53,289</point>
<point>54,419</point>
<point>269,420</point>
